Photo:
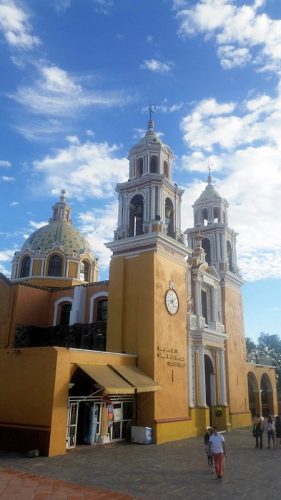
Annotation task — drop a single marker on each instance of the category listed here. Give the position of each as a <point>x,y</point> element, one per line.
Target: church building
<point>160,345</point>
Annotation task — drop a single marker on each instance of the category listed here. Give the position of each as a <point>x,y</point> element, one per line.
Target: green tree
<point>267,351</point>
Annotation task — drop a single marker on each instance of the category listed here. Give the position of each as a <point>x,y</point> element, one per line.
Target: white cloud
<point>5,178</point>
<point>5,164</point>
<point>99,226</point>
<point>62,5</point>
<point>42,130</point>
<point>5,259</point>
<point>15,26</point>
<point>84,170</point>
<point>157,66</point>
<point>103,6</point>
<point>242,33</point>
<point>14,204</point>
<point>56,93</point>
<point>37,225</point>
<point>243,145</point>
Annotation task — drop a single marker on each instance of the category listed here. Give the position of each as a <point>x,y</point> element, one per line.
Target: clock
<point>172,301</point>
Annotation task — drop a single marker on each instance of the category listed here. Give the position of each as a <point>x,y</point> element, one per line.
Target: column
<point>197,298</point>
<point>202,381</point>
<point>223,398</point>
<point>191,376</point>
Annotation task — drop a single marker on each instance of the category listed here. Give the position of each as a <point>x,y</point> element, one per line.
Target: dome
<point>57,234</point>
<point>56,251</point>
<point>209,193</point>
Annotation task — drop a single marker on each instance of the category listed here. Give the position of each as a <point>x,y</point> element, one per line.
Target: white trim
<point>93,298</point>
<point>56,304</point>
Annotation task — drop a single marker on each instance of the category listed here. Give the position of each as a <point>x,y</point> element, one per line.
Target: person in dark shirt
<point>207,449</point>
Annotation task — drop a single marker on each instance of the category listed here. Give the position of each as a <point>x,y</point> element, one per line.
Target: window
<point>154,165</point>
<point>204,305</point>
<point>229,256</point>
<point>25,267</point>
<point>166,169</point>
<point>102,310</point>
<point>65,314</point>
<point>84,270</point>
<point>206,245</point>
<point>55,266</point>
<point>205,216</point>
<point>169,217</point>
<point>139,169</point>
<point>216,215</point>
<point>136,216</point>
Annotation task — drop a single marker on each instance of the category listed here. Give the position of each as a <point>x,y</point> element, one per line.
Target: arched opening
<point>139,167</point>
<point>253,394</point>
<point>204,305</point>
<point>216,215</point>
<point>209,381</point>
<point>266,396</point>
<point>136,216</point>
<point>229,256</point>
<point>154,164</point>
<point>85,270</point>
<point>206,245</point>
<point>169,217</point>
<point>25,267</point>
<point>102,309</point>
<point>166,169</point>
<point>55,266</point>
<point>205,216</point>
<point>65,313</point>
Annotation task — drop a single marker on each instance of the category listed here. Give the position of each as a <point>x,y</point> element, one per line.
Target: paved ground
<point>125,471</point>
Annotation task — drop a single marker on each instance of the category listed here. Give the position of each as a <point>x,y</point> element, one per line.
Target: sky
<point>76,80</point>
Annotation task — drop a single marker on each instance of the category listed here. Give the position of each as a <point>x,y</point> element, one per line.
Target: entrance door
<point>71,431</point>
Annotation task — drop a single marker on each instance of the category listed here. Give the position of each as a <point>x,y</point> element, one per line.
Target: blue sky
<point>77,77</point>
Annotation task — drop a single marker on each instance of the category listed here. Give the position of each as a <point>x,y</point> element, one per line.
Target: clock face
<point>172,301</point>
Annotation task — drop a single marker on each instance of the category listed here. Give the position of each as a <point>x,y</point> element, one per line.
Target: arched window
<point>84,270</point>
<point>204,304</point>
<point>166,169</point>
<point>65,313</point>
<point>55,266</point>
<point>153,165</point>
<point>169,217</point>
<point>102,310</point>
<point>229,256</point>
<point>139,169</point>
<point>25,267</point>
<point>205,216</point>
<point>216,215</point>
<point>206,245</point>
<point>136,216</point>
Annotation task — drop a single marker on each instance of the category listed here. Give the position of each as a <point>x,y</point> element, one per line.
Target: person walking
<point>218,450</point>
<point>258,430</point>
<point>207,449</point>
<point>278,431</point>
<point>270,427</point>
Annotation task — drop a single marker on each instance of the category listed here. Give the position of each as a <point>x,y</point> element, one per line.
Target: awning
<point>107,378</point>
<point>140,381</point>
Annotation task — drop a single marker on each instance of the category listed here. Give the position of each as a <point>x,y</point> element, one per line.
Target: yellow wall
<point>138,322</point>
<point>36,267</point>
<point>73,269</point>
<point>236,356</point>
<point>7,307</point>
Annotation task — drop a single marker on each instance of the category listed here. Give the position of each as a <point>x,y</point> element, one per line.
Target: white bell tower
<point>211,222</point>
<point>149,201</point>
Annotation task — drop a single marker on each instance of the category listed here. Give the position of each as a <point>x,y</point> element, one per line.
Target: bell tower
<point>149,201</point>
<point>148,285</point>
<point>218,239</point>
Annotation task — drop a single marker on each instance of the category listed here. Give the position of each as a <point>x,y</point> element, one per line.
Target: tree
<point>267,351</point>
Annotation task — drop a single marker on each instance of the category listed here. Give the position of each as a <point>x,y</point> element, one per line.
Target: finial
<point>151,109</point>
<point>209,176</point>
<point>62,198</point>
